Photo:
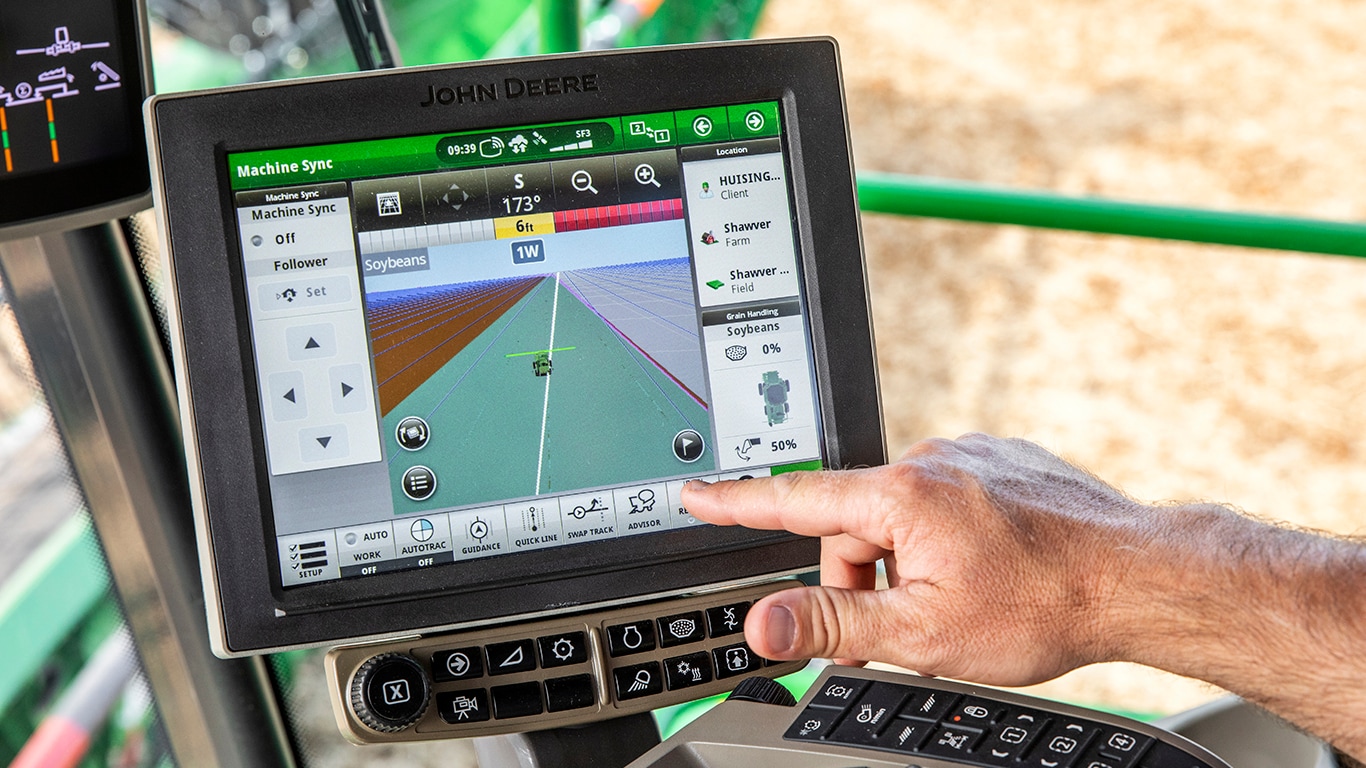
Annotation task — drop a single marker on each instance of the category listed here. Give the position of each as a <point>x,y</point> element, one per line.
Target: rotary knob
<point>762,690</point>
<point>390,692</point>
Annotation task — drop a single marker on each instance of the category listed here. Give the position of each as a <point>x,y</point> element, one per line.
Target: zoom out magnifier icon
<point>582,181</point>
<point>645,174</point>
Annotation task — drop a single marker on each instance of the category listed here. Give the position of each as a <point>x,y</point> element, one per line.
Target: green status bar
<point>531,143</point>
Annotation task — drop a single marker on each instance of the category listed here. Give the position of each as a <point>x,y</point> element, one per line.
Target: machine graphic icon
<point>773,389</point>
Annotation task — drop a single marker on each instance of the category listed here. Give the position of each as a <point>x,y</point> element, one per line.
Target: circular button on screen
<point>688,446</point>
<point>412,433</point>
<point>419,483</point>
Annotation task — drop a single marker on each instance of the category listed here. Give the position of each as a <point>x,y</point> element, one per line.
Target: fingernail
<point>782,628</point>
<point>698,483</point>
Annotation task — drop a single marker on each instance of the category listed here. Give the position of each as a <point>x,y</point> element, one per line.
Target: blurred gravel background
<point>1174,371</point>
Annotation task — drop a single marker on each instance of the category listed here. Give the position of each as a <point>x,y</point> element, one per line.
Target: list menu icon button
<point>419,483</point>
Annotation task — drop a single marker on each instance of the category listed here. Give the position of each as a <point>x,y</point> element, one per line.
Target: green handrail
<point>966,201</point>
<point>46,599</point>
<point>559,26</point>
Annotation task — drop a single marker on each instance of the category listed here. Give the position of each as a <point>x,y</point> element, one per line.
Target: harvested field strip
<point>426,332</point>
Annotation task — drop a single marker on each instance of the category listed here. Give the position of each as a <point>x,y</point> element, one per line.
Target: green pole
<point>965,201</point>
<point>559,26</point>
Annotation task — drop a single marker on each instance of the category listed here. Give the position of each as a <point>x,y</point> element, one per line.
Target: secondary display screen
<point>62,89</point>
<point>477,344</point>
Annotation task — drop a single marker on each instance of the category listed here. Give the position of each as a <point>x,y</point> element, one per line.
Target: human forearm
<point>1009,566</point>
<point>1276,616</point>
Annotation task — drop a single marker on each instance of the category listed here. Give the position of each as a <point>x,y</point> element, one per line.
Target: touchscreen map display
<point>476,344</point>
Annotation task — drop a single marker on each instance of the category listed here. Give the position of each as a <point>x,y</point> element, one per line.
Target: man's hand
<point>997,555</point>
<point>1009,566</point>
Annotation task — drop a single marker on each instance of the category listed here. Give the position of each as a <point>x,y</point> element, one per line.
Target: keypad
<point>973,730</point>
<point>498,680</point>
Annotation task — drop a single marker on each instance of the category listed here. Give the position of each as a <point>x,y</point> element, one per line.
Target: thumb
<point>826,622</point>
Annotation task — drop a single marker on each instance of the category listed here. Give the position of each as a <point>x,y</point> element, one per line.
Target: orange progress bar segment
<point>52,132</point>
<point>4,140</point>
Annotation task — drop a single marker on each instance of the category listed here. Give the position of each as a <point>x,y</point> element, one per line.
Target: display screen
<point>62,86</point>
<point>477,344</point>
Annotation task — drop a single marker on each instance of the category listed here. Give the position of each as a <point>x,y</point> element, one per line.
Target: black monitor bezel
<point>98,190</point>
<point>191,136</point>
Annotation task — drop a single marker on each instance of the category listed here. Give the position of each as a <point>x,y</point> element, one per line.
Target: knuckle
<point>930,446</point>
<point>786,488</point>
<point>904,481</point>
<point>828,632</point>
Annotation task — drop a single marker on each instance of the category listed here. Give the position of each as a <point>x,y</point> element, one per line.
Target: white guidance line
<point>545,407</point>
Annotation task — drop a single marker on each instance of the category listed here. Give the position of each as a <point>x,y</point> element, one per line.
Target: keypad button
<point>458,707</point>
<point>459,664</point>
<point>1061,745</point>
<point>687,671</point>
<point>812,724</point>
<point>732,660</point>
<point>1167,756</point>
<point>904,735</point>
<point>637,637</point>
<point>681,629</point>
<point>1014,735</point>
<point>563,650</point>
<point>517,700</point>
<point>637,680</point>
<point>929,705</point>
<point>871,713</point>
<point>727,619</point>
<point>1123,748</point>
<point>574,692</point>
<point>507,658</point>
<point>975,712</point>
<point>1094,759</point>
<point>952,741</point>
<point>839,692</point>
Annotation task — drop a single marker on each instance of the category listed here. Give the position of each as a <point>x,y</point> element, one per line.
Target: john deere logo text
<point>510,88</point>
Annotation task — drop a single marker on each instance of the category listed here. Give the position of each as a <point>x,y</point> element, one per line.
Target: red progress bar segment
<point>52,132</point>
<point>619,215</point>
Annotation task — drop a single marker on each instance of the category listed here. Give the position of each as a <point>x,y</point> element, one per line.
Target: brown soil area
<point>1176,371</point>
<point>413,341</point>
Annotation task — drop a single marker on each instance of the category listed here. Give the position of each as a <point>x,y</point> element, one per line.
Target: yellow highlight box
<point>524,226</point>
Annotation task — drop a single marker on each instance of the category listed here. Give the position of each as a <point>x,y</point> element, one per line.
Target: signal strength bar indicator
<point>585,144</point>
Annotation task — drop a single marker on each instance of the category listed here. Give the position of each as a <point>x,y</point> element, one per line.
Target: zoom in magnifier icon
<point>645,174</point>
<point>582,181</point>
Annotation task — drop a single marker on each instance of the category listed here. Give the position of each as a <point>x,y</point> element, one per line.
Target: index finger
<point>825,503</point>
